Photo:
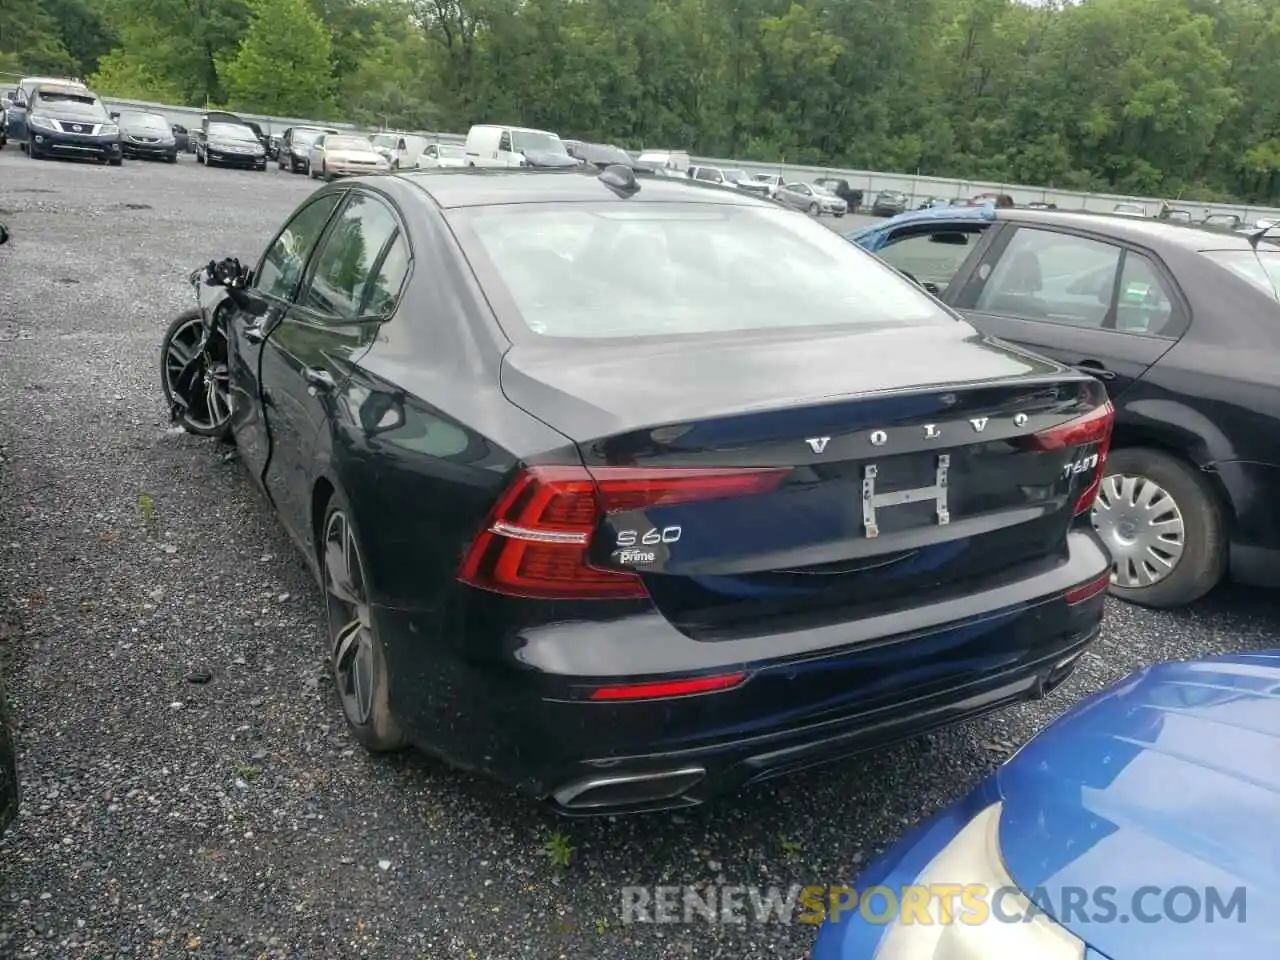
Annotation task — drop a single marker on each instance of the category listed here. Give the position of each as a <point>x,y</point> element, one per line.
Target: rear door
<point>350,288</point>
<point>1105,308</point>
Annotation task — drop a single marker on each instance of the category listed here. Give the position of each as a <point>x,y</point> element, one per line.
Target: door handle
<point>319,378</point>
<point>1095,369</point>
<point>255,334</point>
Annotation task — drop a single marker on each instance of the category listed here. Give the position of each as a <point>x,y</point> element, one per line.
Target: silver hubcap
<point>211,400</point>
<point>349,624</point>
<point>1142,526</point>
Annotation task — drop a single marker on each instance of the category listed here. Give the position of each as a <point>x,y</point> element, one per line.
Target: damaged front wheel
<point>194,374</point>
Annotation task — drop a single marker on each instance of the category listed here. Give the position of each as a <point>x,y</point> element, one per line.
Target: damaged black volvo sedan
<point>602,510</point>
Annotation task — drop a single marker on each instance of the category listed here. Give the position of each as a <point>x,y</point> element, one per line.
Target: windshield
<point>347,143</point>
<point>541,142</point>
<point>144,121</point>
<point>1262,268</point>
<point>306,137</point>
<point>232,131</point>
<point>385,140</point>
<point>452,153</point>
<point>735,176</point>
<point>77,104</point>
<point>597,271</point>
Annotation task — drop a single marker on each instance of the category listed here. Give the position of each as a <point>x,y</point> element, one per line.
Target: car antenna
<point>620,179</point>
<point>1255,238</point>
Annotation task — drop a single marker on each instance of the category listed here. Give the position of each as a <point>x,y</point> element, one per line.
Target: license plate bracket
<point>872,501</point>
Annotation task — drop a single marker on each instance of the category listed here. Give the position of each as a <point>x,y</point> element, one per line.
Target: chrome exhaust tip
<point>629,790</point>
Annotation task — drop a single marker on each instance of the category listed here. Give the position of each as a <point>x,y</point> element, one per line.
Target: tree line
<point>1175,98</point>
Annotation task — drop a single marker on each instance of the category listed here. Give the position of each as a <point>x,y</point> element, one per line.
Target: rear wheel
<point>813,210</point>
<point>1164,527</point>
<point>355,652</point>
<point>208,413</point>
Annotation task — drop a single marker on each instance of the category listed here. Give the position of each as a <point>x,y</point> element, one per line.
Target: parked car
<point>146,136</point>
<point>812,199</point>
<point>620,600</point>
<point>772,182</point>
<point>1225,222</point>
<point>295,148</point>
<point>182,138</point>
<point>8,752</point>
<point>668,159</point>
<point>888,203</point>
<point>840,187</point>
<point>224,143</point>
<point>1150,801</point>
<point>399,149</point>
<point>70,121</point>
<point>19,101</point>
<point>928,203</point>
<point>714,176</point>
<point>498,146</point>
<point>599,155</point>
<point>441,156</point>
<point>4,122</point>
<point>1042,205</point>
<point>1183,327</point>
<point>343,155</point>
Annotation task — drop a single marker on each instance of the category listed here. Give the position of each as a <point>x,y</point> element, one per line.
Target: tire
<point>217,428</point>
<point>367,707</point>
<point>311,174</point>
<point>1182,495</point>
<point>32,152</point>
<point>814,210</point>
<point>171,158</point>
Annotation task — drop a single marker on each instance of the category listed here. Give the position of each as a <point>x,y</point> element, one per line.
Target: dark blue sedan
<point>1142,825</point>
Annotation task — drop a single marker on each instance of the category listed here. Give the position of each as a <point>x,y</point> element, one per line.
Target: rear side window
<point>344,265</point>
<point>1058,277</point>
<point>613,271</point>
<point>1262,269</point>
<point>281,268</point>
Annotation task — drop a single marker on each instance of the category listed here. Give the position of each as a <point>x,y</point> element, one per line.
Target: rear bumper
<point>810,696</point>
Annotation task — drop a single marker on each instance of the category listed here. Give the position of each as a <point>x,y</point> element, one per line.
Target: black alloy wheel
<point>209,412</point>
<point>355,652</point>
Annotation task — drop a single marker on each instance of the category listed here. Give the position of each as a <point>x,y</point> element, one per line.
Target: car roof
<point>1147,232</point>
<point>479,187</point>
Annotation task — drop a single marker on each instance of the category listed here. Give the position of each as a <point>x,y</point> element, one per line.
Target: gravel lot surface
<point>189,784</point>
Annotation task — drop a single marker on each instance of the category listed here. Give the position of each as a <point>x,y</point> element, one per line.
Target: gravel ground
<point>189,785</point>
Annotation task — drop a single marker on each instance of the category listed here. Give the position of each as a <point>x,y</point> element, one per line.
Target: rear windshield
<point>1262,269</point>
<point>611,271</point>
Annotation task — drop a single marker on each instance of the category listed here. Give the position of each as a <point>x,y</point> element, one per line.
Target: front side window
<point>281,269</point>
<point>605,271</point>
<point>1058,277</point>
<point>345,264</point>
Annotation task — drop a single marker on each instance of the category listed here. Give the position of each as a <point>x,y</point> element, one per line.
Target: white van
<point>400,149</point>
<point>491,145</point>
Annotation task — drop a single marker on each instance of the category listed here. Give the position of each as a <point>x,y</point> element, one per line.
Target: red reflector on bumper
<point>1087,591</point>
<point>669,688</point>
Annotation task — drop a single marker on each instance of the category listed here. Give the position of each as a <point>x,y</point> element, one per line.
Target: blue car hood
<point>875,236</point>
<point>1171,778</point>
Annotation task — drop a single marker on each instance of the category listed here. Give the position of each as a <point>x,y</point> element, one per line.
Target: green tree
<point>283,66</point>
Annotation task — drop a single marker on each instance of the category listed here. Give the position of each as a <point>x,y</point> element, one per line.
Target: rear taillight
<point>1091,430</point>
<point>537,538</point>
